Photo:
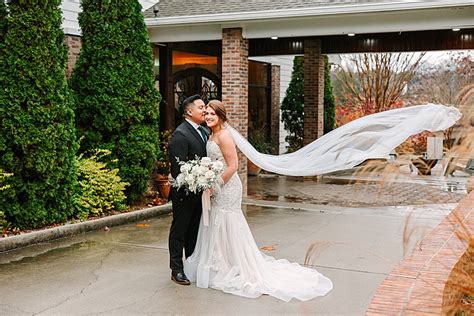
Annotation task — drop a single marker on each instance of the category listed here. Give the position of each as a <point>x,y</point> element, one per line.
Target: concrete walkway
<point>124,271</point>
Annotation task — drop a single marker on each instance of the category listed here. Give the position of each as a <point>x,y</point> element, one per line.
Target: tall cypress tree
<point>329,105</point>
<point>3,22</point>
<point>293,104</point>
<point>37,136</point>
<point>117,104</point>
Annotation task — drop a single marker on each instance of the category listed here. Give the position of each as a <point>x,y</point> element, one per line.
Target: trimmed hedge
<point>37,135</point>
<point>117,103</point>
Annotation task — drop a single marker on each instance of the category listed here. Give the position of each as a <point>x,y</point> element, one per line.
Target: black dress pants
<point>187,210</point>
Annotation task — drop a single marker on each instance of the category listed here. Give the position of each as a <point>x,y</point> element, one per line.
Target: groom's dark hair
<point>187,102</point>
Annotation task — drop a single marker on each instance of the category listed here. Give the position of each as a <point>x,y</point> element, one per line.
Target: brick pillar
<point>275,109</point>
<point>313,91</point>
<point>235,87</point>
<point>74,45</point>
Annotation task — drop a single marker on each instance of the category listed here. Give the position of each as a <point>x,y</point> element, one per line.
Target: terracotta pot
<point>164,188</point>
<point>163,185</point>
<point>252,169</point>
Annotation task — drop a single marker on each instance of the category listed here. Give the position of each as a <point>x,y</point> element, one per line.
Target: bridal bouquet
<point>198,175</point>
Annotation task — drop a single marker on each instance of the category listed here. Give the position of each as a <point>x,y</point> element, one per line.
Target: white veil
<point>372,136</point>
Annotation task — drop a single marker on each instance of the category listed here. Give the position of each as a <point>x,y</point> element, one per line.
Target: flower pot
<point>252,169</point>
<point>163,185</point>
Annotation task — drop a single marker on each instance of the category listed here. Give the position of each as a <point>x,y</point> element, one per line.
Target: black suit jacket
<point>185,144</point>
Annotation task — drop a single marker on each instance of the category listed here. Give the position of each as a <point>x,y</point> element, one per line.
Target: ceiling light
<point>274,37</point>
<point>456,29</point>
<point>350,34</point>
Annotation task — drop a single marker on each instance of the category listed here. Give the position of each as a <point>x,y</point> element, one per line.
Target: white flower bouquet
<point>198,175</point>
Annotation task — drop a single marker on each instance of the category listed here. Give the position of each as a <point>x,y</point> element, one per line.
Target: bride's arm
<point>227,145</point>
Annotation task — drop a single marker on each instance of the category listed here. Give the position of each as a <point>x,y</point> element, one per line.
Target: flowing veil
<point>372,136</point>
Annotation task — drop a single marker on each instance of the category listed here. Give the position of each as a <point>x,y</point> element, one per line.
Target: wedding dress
<point>227,258</point>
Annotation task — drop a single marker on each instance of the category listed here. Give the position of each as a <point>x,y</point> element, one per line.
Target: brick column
<point>313,91</point>
<point>235,87</point>
<point>74,45</point>
<point>275,109</point>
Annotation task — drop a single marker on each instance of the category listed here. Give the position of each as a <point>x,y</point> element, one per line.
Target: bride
<point>226,256</point>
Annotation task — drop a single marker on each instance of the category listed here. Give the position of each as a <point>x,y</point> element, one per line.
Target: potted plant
<point>258,141</point>
<point>162,165</point>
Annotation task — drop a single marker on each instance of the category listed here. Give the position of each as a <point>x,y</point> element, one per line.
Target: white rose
<point>189,179</point>
<point>209,174</point>
<point>184,168</point>
<point>206,161</point>
<point>218,166</point>
<point>180,178</point>
<point>202,170</point>
<point>202,182</point>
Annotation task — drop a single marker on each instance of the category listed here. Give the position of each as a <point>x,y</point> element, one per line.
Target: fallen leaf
<point>268,248</point>
<point>143,225</point>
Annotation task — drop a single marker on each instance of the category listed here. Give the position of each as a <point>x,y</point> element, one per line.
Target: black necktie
<point>203,133</point>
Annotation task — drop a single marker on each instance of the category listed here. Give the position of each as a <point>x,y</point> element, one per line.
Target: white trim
<point>304,12</point>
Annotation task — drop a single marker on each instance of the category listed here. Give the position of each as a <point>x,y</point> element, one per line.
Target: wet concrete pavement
<point>124,271</point>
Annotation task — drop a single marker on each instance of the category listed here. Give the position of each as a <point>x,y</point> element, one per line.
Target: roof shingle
<point>175,8</point>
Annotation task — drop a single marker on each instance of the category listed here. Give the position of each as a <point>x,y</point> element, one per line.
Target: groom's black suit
<point>185,144</point>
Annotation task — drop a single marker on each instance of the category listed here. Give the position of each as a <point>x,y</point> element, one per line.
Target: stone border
<point>416,285</point>
<point>28,239</point>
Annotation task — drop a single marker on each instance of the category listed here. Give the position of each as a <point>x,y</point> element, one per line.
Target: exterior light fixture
<point>351,34</point>
<point>156,9</point>
<point>274,37</point>
<point>456,29</point>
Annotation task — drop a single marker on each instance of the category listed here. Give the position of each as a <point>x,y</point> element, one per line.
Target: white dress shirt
<point>196,127</point>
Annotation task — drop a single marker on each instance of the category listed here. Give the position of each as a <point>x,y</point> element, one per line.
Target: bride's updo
<point>219,108</point>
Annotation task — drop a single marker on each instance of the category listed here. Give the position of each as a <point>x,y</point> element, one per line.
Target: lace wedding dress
<point>227,258</point>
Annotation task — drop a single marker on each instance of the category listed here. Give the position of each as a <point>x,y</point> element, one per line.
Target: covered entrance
<point>232,34</point>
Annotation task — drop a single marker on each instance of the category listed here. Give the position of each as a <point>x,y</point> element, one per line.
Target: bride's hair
<point>219,108</point>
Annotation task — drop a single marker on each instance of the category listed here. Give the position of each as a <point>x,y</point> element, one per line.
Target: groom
<point>187,141</point>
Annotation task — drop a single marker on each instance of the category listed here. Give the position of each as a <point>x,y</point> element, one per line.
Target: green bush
<point>117,103</point>
<point>102,190</point>
<point>3,186</point>
<point>37,135</point>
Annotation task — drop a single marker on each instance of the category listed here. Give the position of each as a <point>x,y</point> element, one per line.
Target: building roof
<point>175,8</point>
<point>181,8</point>
<point>200,20</point>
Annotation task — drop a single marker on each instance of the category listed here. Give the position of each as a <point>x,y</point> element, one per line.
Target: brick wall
<point>313,91</point>
<point>275,112</point>
<point>235,86</point>
<point>74,45</point>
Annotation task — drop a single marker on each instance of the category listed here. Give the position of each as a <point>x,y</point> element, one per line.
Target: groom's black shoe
<point>179,278</point>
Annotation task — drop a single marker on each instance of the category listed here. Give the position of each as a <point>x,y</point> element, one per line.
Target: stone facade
<point>275,112</point>
<point>313,91</point>
<point>235,87</point>
<point>74,45</point>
